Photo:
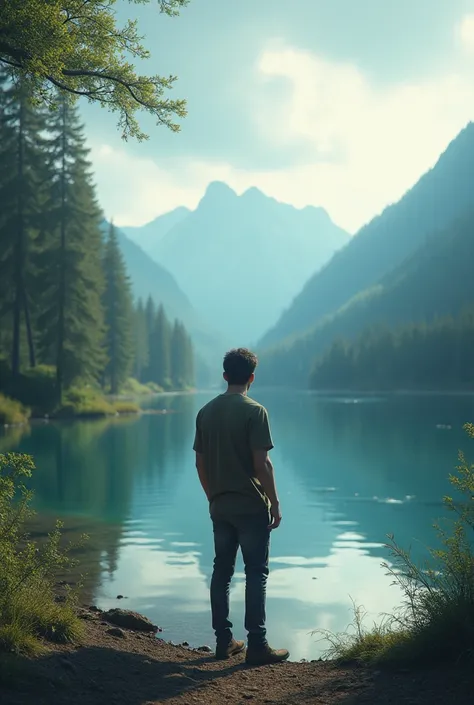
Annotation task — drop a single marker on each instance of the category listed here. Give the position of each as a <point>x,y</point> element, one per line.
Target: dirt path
<point>137,669</point>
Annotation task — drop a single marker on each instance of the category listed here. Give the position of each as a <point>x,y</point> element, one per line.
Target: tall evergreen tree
<point>71,323</point>
<point>150,314</point>
<point>179,356</point>
<point>160,341</point>
<point>140,338</point>
<point>118,306</point>
<point>22,171</point>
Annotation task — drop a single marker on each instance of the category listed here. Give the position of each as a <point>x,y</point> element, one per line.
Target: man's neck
<point>237,389</point>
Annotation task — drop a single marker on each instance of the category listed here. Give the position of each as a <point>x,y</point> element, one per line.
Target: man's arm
<point>201,468</point>
<point>265,475</point>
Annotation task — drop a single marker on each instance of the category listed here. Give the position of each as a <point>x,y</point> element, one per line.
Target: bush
<point>84,402</point>
<point>35,388</point>
<point>28,609</point>
<point>436,620</point>
<point>12,412</point>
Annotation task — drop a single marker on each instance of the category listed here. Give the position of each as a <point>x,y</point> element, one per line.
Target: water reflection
<point>350,471</point>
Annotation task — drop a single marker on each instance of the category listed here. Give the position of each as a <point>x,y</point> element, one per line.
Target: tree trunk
<point>62,272</point>
<point>18,257</point>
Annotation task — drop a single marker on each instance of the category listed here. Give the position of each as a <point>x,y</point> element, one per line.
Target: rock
<point>115,631</point>
<point>119,597</point>
<point>130,620</point>
<point>185,643</point>
<point>60,598</point>
<point>204,649</point>
<point>94,608</point>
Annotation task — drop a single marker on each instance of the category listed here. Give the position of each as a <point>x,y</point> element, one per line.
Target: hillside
<point>148,236</point>
<point>149,278</point>
<point>241,259</point>
<point>436,281</point>
<point>441,196</point>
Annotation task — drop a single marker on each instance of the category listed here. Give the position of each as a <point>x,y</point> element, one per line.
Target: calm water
<point>350,471</point>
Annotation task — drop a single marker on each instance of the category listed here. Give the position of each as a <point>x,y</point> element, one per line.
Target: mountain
<point>148,236</point>
<point>241,259</point>
<point>440,196</point>
<point>149,278</point>
<point>433,283</point>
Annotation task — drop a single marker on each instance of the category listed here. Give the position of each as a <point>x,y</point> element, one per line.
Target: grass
<point>12,412</point>
<point>435,623</point>
<point>29,611</point>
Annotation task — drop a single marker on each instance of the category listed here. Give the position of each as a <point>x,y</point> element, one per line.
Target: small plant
<point>28,608</point>
<point>12,413</point>
<point>436,620</point>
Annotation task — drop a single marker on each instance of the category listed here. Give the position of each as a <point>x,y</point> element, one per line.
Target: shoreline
<point>132,667</point>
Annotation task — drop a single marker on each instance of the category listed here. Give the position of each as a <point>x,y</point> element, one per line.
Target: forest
<point>425,357</point>
<point>67,315</point>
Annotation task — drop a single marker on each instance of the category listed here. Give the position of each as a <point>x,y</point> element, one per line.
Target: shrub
<point>28,609</point>
<point>35,387</point>
<point>85,402</point>
<point>436,620</point>
<point>12,412</point>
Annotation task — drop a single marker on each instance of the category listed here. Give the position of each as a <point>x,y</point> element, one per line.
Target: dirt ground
<point>138,669</point>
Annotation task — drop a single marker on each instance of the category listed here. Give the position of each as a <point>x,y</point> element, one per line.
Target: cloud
<point>466,33</point>
<point>366,144</point>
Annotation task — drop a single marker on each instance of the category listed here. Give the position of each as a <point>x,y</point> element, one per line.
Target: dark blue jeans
<point>252,534</point>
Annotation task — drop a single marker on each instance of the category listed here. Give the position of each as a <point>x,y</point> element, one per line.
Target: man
<point>232,443</point>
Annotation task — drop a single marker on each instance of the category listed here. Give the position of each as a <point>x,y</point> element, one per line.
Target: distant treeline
<point>65,298</point>
<point>436,356</point>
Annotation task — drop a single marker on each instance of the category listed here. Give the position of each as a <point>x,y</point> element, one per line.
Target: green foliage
<point>84,402</point>
<point>78,48</point>
<point>71,328</point>
<point>28,610</point>
<point>169,350</point>
<point>12,412</point>
<point>66,312</point>
<point>428,357</point>
<point>436,622</point>
<point>118,304</point>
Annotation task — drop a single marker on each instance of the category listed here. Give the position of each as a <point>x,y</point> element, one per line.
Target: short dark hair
<point>239,365</point>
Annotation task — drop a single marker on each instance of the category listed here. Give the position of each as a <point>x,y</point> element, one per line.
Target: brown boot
<point>229,649</point>
<point>264,655</point>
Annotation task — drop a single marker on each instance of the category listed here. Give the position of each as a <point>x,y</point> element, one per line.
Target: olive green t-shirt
<point>228,429</point>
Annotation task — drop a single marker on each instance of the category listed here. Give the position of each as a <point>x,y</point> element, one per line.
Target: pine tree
<point>160,341</point>
<point>140,340</point>
<point>178,355</point>
<point>22,172</point>
<point>118,306</point>
<point>150,314</point>
<point>71,322</point>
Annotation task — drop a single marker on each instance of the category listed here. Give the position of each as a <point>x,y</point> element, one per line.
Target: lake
<point>349,471</point>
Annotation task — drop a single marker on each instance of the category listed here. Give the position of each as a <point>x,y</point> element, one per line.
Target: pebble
<point>205,649</point>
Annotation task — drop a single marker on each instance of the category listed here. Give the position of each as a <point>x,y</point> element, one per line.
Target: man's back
<point>228,429</point>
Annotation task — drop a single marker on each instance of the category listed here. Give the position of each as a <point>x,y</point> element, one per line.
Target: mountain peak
<point>219,189</point>
<point>253,192</point>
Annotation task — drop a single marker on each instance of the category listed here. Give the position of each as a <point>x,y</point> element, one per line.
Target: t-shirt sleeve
<point>260,434</point>
<point>198,445</point>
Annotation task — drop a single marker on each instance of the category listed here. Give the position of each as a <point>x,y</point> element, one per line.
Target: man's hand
<point>275,512</point>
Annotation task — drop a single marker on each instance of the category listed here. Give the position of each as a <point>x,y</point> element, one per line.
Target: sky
<point>342,104</point>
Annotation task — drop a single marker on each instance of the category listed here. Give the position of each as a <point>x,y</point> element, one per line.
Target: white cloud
<point>372,142</point>
<point>466,33</point>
